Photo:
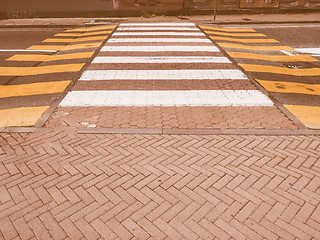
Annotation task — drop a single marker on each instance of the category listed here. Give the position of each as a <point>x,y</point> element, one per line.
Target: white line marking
<point>160,49</point>
<point>182,59</point>
<point>156,24</point>
<point>25,50</point>
<point>155,40</point>
<point>287,53</point>
<point>312,51</point>
<point>167,98</point>
<point>157,34</point>
<point>189,74</point>
<point>190,29</point>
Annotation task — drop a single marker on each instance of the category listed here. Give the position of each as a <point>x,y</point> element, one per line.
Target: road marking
<point>126,29</point>
<point>256,48</point>
<point>27,71</point>
<point>69,40</point>
<point>308,115</point>
<point>64,48</point>
<point>88,29</point>
<point>32,89</point>
<point>281,70</point>
<point>157,34</point>
<point>161,59</point>
<point>156,24</point>
<point>169,48</point>
<point>45,58</point>
<point>162,40</point>
<point>82,34</point>
<point>26,50</point>
<point>27,116</point>
<point>229,29</point>
<point>312,51</point>
<point>162,74</point>
<point>277,58</point>
<point>236,34</point>
<point>290,87</point>
<point>246,40</point>
<point>167,98</point>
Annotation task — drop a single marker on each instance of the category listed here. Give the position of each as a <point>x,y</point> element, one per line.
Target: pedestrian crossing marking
<point>69,40</point>
<point>32,89</point>
<point>290,87</point>
<point>247,40</point>
<point>27,71</point>
<point>308,115</point>
<point>236,34</point>
<point>281,70</point>
<point>46,58</point>
<point>277,58</point>
<point>64,47</point>
<point>88,29</point>
<point>255,48</point>
<point>26,116</point>
<point>229,29</point>
<point>169,48</point>
<point>82,34</point>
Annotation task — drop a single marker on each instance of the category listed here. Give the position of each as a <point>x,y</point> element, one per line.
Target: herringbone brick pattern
<point>59,185</point>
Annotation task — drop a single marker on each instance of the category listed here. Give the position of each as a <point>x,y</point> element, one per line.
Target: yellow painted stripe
<point>281,70</point>
<point>290,87</point>
<point>88,29</point>
<point>69,40</point>
<point>277,58</point>
<point>27,116</point>
<point>256,48</point>
<point>229,29</point>
<point>32,89</point>
<point>45,58</point>
<point>242,40</point>
<point>308,115</point>
<point>82,34</point>
<point>236,34</point>
<point>27,71</point>
<point>64,48</point>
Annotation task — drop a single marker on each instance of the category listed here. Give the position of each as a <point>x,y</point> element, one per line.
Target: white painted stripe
<point>190,29</point>
<point>158,34</point>
<point>162,74</point>
<point>312,51</point>
<point>25,50</point>
<point>172,48</point>
<point>156,24</point>
<point>167,98</point>
<point>155,40</point>
<point>181,59</point>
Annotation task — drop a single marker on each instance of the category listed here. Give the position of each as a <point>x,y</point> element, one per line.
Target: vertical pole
<point>215,9</point>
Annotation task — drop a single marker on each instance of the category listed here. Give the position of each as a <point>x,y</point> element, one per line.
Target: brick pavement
<point>62,185</point>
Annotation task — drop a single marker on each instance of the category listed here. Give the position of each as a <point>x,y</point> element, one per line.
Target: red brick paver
<point>62,185</point>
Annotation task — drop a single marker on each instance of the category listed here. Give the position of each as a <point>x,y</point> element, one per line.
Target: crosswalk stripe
<point>167,98</point>
<point>277,58</point>
<point>44,58</point>
<point>32,89</point>
<point>65,47</point>
<point>246,40</point>
<point>312,51</point>
<point>157,34</point>
<point>281,70</point>
<point>228,29</point>
<point>27,71</point>
<point>89,29</point>
<point>189,29</point>
<point>156,24</point>
<point>255,48</point>
<point>27,116</point>
<point>308,115</point>
<point>168,48</point>
<point>70,40</point>
<point>236,34</point>
<point>82,34</point>
<point>161,59</point>
<point>162,74</point>
<point>290,87</point>
<point>164,40</point>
